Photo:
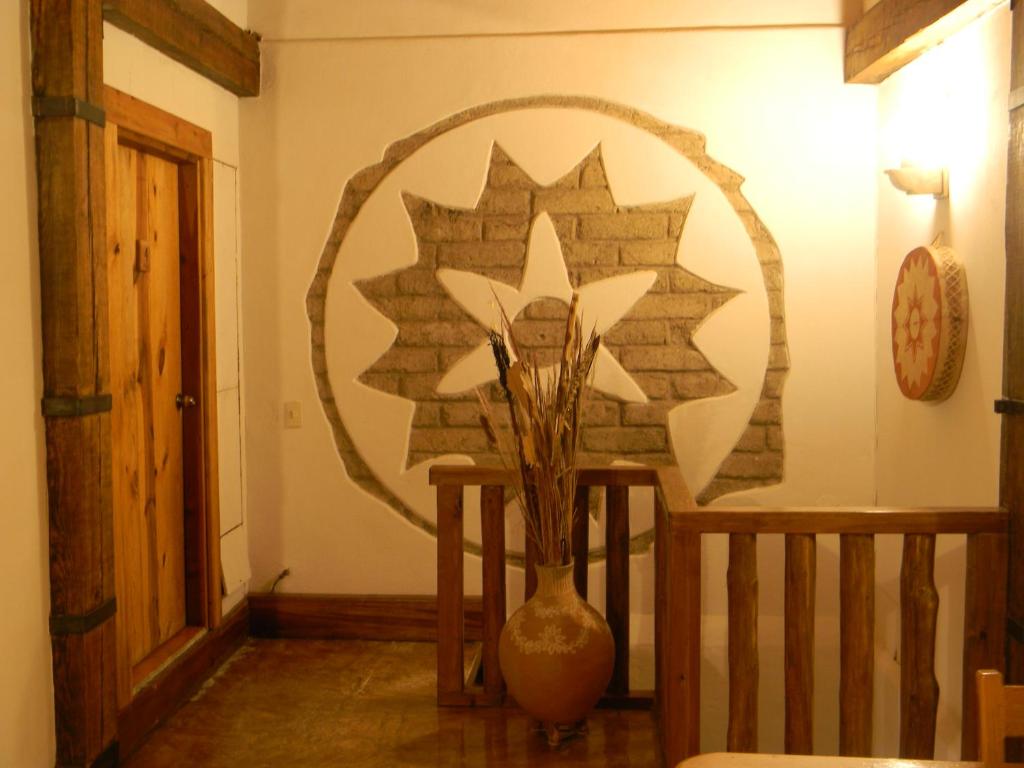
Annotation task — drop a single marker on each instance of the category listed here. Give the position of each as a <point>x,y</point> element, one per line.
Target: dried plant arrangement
<point>541,438</point>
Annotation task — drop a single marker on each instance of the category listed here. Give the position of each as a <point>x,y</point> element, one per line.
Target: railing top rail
<point>841,520</point>
<point>687,516</point>
<point>470,474</point>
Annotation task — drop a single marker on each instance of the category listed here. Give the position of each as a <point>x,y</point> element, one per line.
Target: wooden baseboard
<point>355,617</point>
<point>172,687</point>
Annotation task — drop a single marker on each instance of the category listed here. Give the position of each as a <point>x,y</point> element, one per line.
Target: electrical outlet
<point>292,414</point>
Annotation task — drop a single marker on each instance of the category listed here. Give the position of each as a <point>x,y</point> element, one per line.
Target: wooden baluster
<point>532,557</point>
<point>856,642</point>
<point>581,538</point>
<point>799,642</point>
<point>984,624</point>
<point>677,621</point>
<point>617,582</point>
<point>661,532</point>
<point>450,631</point>
<point>743,662</point>
<point>681,726</point>
<point>919,606</point>
<point>492,512</point>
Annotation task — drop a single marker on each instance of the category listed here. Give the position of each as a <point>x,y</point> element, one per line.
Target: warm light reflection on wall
<point>938,117</point>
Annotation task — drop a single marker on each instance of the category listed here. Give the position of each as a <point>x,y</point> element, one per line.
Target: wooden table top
<point>756,760</point>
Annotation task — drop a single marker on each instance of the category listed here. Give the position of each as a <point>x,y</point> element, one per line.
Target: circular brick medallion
<point>599,240</point>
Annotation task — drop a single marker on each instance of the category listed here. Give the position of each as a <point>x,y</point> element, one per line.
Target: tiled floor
<point>353,704</point>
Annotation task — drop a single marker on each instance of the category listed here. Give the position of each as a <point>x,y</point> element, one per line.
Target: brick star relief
<point>529,246</point>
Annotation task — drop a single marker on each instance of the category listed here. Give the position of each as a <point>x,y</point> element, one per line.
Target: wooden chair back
<point>1000,715</point>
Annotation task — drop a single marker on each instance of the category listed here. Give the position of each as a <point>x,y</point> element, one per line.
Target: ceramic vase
<point>556,653</point>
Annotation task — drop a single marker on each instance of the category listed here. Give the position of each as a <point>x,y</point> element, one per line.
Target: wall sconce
<point>920,181</point>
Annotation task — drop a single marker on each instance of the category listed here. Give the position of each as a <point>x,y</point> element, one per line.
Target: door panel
<point>160,294</point>
<point>145,349</point>
<point>127,432</point>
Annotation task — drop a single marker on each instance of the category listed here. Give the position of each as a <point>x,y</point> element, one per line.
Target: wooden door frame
<point>67,104</point>
<point>147,128</point>
<point>67,89</point>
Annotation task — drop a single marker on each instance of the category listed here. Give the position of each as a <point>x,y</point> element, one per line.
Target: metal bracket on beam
<point>68,106</point>
<point>71,407</point>
<point>80,625</point>
<point>1010,407</point>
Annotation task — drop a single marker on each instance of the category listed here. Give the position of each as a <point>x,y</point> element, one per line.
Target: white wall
<point>775,110</point>
<point>947,108</point>
<point>26,684</point>
<point>131,66</point>
<point>329,108</point>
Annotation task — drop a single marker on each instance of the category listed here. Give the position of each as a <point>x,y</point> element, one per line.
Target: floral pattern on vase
<point>556,652</point>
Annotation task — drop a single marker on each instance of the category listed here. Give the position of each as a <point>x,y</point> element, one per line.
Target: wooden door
<point>146,421</point>
<point>163,446</point>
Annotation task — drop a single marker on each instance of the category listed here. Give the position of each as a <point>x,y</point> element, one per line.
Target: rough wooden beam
<point>196,34</point>
<point>895,32</point>
<point>1011,486</point>
<point>67,86</point>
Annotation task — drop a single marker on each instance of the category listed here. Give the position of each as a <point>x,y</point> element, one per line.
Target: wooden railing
<point>454,686</point>
<point>679,526</point>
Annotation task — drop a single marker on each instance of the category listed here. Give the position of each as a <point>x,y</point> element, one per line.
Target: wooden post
<point>450,628</point>
<point>856,642</point>
<point>617,582</point>
<point>1011,485</point>
<point>919,689</point>
<point>676,620</point>
<point>492,511</point>
<point>856,684</point>
<point>743,661</point>
<point>67,84</point>
<point>681,726</point>
<point>984,625</point>
<point>799,642</point>
<point>661,533</point>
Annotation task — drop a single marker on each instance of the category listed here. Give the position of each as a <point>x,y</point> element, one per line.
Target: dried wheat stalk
<point>545,413</point>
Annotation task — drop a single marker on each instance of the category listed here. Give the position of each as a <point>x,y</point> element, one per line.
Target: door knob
<point>184,401</point>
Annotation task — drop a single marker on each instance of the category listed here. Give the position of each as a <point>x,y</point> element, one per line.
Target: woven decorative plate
<point>929,323</point>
